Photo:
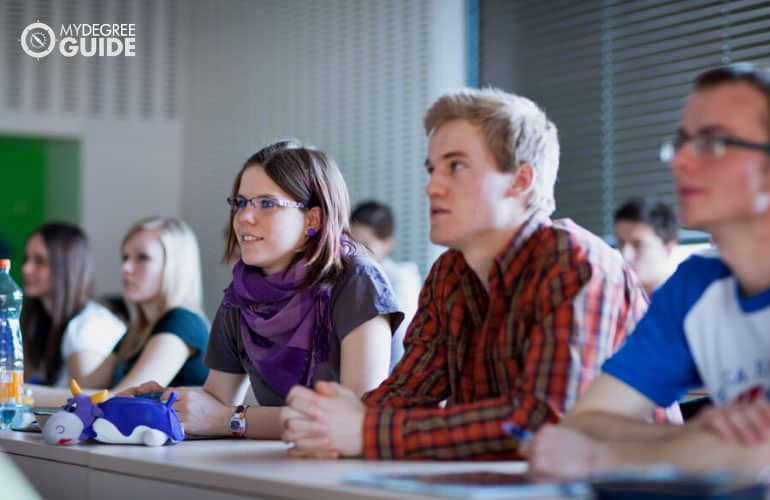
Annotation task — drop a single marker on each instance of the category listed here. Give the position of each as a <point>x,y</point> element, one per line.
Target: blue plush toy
<point>118,420</point>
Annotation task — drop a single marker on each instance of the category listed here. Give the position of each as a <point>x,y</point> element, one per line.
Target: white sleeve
<point>94,329</point>
<point>410,289</point>
<point>405,279</point>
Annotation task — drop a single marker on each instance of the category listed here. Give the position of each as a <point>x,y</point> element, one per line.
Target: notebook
<point>480,484</point>
<point>669,484</point>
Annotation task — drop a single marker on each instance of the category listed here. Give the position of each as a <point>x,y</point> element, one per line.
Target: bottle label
<point>11,385</point>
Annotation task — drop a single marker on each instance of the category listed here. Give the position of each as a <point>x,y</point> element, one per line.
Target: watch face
<point>235,425</point>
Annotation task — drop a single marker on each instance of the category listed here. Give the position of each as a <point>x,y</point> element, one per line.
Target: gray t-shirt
<point>362,294</point>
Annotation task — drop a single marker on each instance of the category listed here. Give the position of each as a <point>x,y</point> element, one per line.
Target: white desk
<point>219,469</point>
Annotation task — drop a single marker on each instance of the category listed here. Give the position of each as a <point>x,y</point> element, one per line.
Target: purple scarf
<point>285,330</point>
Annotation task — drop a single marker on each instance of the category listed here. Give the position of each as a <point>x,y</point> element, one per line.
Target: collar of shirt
<point>508,262</point>
<point>506,266</point>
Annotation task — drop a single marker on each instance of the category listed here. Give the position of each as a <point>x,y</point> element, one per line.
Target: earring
<point>310,232</point>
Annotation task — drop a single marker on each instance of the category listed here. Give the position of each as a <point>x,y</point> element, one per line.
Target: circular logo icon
<point>38,40</point>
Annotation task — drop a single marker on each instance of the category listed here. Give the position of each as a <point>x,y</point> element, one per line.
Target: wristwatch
<point>238,421</point>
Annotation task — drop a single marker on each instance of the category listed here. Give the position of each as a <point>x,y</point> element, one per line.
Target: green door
<point>39,181</point>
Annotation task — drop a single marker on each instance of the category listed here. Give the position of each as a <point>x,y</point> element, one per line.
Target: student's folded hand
<point>309,437</point>
<point>557,451</point>
<point>743,422</point>
<point>325,423</point>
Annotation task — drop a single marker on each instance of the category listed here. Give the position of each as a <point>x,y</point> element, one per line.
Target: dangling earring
<point>310,232</point>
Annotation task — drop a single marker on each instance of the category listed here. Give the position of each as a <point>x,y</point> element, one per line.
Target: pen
<point>522,435</point>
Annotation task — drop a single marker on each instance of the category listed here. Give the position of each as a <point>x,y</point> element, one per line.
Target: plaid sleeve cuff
<point>382,434</point>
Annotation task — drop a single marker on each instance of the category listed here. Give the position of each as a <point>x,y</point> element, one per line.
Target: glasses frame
<point>235,203</point>
<point>703,142</point>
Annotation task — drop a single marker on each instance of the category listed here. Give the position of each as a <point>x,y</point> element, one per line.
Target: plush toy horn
<point>74,387</point>
<point>99,396</point>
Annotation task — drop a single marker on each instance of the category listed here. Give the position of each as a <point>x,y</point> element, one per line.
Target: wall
<point>352,77</point>
<point>165,132</point>
<point>115,117</point>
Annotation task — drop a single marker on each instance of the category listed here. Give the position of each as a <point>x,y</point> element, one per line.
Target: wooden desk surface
<point>226,469</point>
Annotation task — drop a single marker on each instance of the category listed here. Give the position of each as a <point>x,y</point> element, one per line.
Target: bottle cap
<point>5,264</point>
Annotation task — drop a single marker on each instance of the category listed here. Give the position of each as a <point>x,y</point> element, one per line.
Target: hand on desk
<point>562,452</point>
<point>742,422</point>
<point>198,411</point>
<point>325,423</point>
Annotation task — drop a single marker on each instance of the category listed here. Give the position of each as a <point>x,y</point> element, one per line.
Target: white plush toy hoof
<point>154,437</point>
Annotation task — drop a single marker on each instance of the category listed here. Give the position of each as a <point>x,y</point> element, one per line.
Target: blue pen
<point>150,395</point>
<point>523,435</point>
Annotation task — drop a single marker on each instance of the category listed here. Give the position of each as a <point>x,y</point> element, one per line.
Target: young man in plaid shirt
<point>514,320</point>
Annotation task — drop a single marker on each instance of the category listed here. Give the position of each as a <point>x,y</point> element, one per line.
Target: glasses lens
<point>717,146</point>
<point>708,146</point>
<point>267,202</point>
<point>234,202</point>
<point>667,151</point>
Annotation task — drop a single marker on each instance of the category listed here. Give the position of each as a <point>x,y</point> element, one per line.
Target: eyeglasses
<point>706,145</point>
<point>262,203</point>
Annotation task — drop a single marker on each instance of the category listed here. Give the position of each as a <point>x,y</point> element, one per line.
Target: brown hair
<point>657,214</point>
<point>516,130</point>
<point>758,76</point>
<point>72,286</point>
<point>312,178</point>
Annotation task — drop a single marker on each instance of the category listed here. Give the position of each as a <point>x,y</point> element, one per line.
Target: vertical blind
<point>613,75</point>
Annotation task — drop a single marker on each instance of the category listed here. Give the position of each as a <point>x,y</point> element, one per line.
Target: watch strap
<point>238,421</point>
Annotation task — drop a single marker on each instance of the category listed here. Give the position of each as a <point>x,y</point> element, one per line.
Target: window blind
<point>613,75</point>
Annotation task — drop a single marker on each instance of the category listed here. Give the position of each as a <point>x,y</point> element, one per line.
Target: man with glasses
<point>709,324</point>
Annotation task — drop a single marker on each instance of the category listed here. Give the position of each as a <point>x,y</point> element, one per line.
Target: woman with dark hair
<point>302,305</point>
<point>66,333</point>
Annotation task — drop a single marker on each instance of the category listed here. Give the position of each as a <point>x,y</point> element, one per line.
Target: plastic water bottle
<point>24,415</point>
<point>11,350</point>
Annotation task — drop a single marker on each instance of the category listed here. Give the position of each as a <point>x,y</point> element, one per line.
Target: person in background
<point>514,320</point>
<point>167,331</point>
<point>67,334</point>
<point>372,225</point>
<point>647,232</point>
<point>303,304</point>
<point>709,324</point>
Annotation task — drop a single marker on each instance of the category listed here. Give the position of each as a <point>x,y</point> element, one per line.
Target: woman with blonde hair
<point>167,332</point>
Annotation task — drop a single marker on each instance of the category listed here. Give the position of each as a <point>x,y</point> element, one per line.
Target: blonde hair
<point>516,131</point>
<point>181,286</point>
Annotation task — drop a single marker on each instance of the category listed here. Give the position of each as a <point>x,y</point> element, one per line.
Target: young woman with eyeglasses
<point>302,306</point>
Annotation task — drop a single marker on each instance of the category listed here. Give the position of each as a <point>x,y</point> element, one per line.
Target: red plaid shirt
<point>560,302</point>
